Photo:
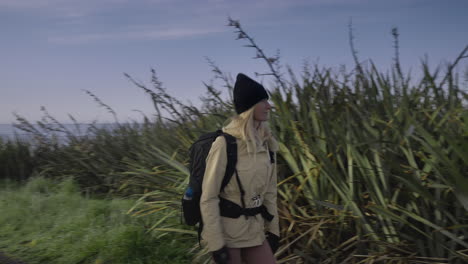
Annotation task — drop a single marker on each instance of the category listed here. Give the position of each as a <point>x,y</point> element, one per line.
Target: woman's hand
<point>273,241</point>
<point>221,256</point>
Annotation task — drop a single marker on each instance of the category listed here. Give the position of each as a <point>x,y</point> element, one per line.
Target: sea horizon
<point>9,131</point>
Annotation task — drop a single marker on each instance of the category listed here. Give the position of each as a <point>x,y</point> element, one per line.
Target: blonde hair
<point>243,126</point>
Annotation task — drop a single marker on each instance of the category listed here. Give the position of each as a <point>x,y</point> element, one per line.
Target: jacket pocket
<point>234,228</point>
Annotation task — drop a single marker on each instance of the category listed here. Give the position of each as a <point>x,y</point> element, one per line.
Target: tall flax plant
<point>386,159</point>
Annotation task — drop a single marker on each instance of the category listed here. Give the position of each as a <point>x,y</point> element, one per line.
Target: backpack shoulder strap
<point>231,146</point>
<point>231,165</point>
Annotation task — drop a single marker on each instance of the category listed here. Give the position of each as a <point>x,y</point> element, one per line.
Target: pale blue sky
<point>52,49</point>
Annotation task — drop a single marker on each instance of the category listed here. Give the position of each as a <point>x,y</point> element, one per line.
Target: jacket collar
<point>270,143</point>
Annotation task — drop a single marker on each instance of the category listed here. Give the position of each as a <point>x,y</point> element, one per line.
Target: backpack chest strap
<point>232,210</point>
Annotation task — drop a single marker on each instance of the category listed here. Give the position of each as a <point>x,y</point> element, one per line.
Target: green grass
<point>44,222</point>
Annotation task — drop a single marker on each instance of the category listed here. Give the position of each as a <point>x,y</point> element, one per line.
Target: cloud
<point>61,8</point>
<point>163,34</point>
<point>24,4</point>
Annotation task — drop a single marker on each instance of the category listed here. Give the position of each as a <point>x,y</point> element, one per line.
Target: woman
<point>249,238</point>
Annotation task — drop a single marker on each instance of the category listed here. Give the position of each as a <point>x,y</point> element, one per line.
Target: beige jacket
<point>258,178</point>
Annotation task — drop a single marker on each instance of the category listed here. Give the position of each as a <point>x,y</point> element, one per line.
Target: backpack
<point>197,165</point>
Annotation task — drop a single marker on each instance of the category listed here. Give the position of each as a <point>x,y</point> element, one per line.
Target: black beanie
<point>247,93</point>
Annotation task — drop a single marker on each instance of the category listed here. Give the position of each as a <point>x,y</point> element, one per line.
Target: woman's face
<point>262,110</point>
